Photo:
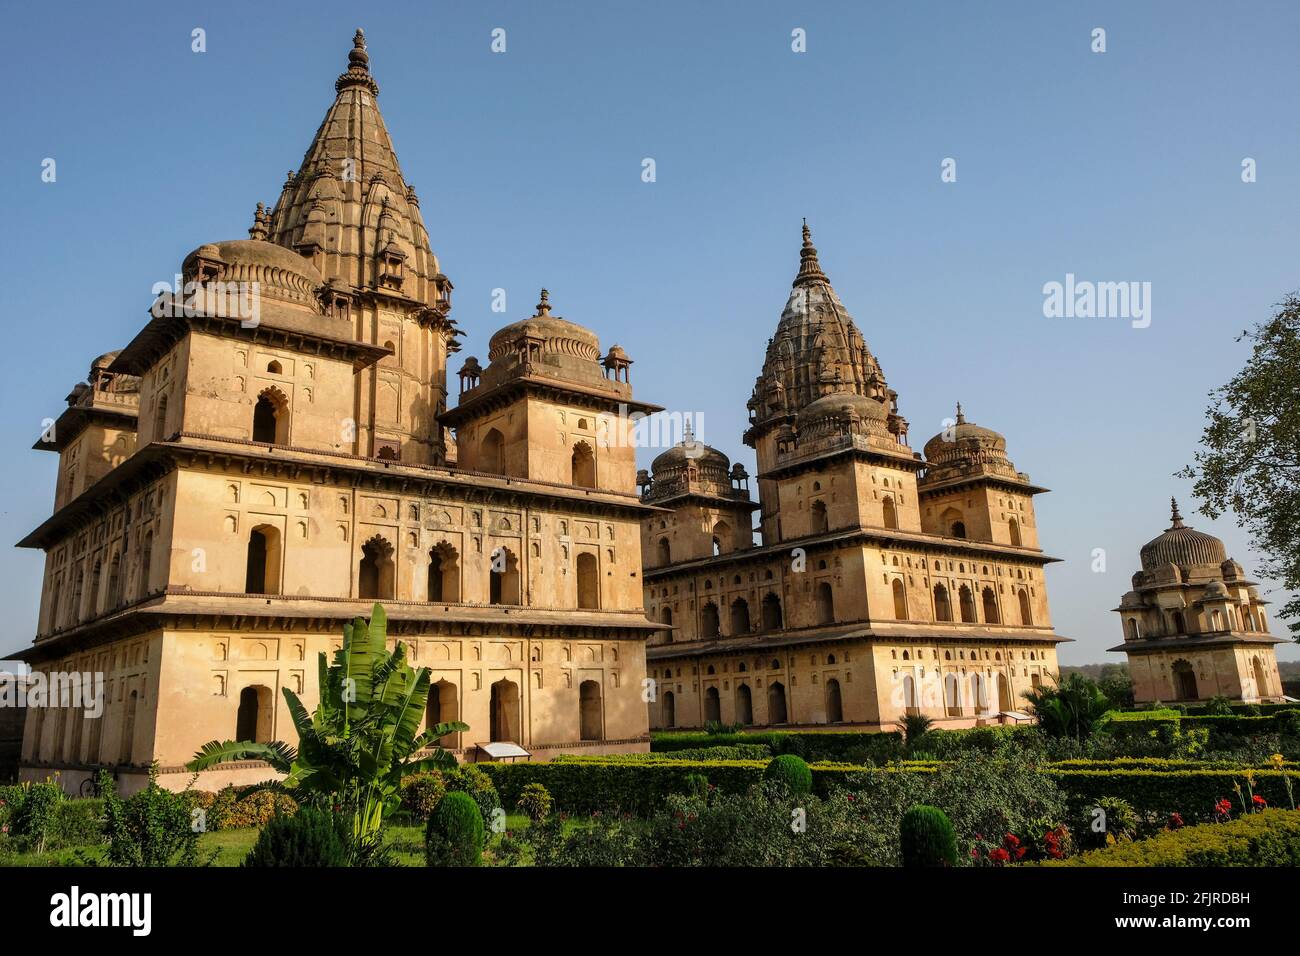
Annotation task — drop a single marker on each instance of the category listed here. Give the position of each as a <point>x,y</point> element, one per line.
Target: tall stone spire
<point>348,206</point>
<point>810,269</point>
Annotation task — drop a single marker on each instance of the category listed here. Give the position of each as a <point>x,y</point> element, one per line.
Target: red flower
<point>1011,840</point>
<point>1259,801</point>
<point>975,853</point>
<point>850,798</point>
<point>1175,820</point>
<point>999,855</point>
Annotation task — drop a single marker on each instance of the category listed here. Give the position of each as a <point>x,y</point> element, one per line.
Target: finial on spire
<point>261,227</point>
<point>961,419</point>
<point>358,73</point>
<point>544,306</point>
<point>810,269</point>
<point>1176,520</point>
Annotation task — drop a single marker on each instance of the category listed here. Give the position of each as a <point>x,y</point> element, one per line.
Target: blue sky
<point>1120,166</point>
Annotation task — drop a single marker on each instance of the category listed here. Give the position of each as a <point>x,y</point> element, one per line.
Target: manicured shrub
<point>472,779</point>
<point>791,771</point>
<point>258,809</point>
<point>926,838</point>
<point>422,791</point>
<point>309,838</point>
<point>535,802</point>
<point>1269,838</point>
<point>454,834</point>
<point>152,827</point>
<point>1112,820</point>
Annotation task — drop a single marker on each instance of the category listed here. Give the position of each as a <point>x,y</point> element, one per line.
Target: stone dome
<point>1215,591</point>
<point>105,360</point>
<point>842,403</point>
<point>689,450</point>
<point>1182,546</point>
<point>963,439</point>
<point>557,335</point>
<point>279,272</point>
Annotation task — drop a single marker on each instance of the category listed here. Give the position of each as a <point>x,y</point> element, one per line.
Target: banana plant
<point>363,737</point>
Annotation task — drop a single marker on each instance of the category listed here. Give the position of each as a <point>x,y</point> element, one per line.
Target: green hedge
<point>1191,792</point>
<point>1271,838</point>
<point>854,746</point>
<point>630,783</point>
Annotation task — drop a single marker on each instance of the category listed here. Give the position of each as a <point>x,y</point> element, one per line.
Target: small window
<point>274,368</point>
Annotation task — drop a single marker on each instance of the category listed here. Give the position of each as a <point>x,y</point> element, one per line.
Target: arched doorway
<point>503,583</point>
<point>126,746</point>
<point>1261,679</point>
<point>590,717</point>
<point>910,703</point>
<point>712,706</point>
<point>942,606</point>
<point>891,514</point>
<point>967,601</point>
<point>744,705</point>
<point>1184,681</point>
<point>771,612</point>
<point>1027,616</point>
<point>271,418</point>
<point>740,616</point>
<point>588,581</point>
<point>262,571</point>
<point>444,573</point>
<point>900,600</point>
<point>1014,527</point>
<point>669,710</point>
<point>776,712</point>
<point>825,603</point>
<point>1004,693</point>
<point>979,694</point>
<point>820,523</point>
<point>583,466</point>
<point>253,721</point>
<point>709,620</point>
<point>375,573</point>
<point>491,457</point>
<point>665,552</point>
<point>504,711</point>
<point>443,707</point>
<point>952,695</point>
<point>834,702</point>
<point>722,538</point>
<point>990,607</point>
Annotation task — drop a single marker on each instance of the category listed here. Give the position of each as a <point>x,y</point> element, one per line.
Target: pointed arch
<point>503,579</point>
<point>900,599</point>
<point>825,603</point>
<point>967,602</point>
<point>271,417</point>
<point>891,513</point>
<point>376,575</point>
<point>942,604</point>
<point>444,573</point>
<point>819,522</point>
<point>582,466</point>
<point>491,456</point>
<point>1027,614</point>
<point>771,612</point>
<point>990,602</point>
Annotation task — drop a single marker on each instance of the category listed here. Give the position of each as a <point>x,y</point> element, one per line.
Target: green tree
<point>1070,707</point>
<point>1249,462</point>
<point>363,737</point>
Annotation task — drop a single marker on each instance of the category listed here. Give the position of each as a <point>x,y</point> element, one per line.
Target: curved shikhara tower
<point>883,582</point>
<point>273,453</point>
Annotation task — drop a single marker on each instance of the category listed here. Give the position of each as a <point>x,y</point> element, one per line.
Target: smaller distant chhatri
<point>1194,625</point>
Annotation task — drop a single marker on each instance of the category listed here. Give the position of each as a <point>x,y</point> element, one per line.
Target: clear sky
<point>1117,166</point>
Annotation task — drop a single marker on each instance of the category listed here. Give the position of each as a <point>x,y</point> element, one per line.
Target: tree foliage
<point>1073,707</point>
<point>1249,462</point>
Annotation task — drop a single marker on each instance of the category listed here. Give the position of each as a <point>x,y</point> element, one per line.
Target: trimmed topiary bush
<point>309,838</point>
<point>422,791</point>
<point>454,835</point>
<point>791,771</point>
<point>927,838</point>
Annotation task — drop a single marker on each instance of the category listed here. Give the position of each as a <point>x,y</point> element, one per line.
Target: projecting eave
<point>793,466</point>
<point>924,488</point>
<point>73,421</point>
<point>257,613</point>
<point>668,502</point>
<point>1157,644</point>
<point>500,395</point>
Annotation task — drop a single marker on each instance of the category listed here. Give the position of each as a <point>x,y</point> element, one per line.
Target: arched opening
<point>491,456</point>
<point>1179,624</point>
<point>96,575</point>
<point>712,706</point>
<point>503,580</point>
<point>771,612</point>
<point>76,596</point>
<point>262,565</point>
<point>375,577</point>
<point>952,695</point>
<point>665,552</point>
<point>588,582</point>
<point>115,581</point>
<point>820,522</point>
<point>1261,679</point>
<point>722,538</point>
<point>900,600</point>
<point>443,707</point>
<point>126,746</point>
<point>503,709</point>
<point>709,620</point>
<point>910,704</point>
<point>740,616</point>
<point>942,606</point>
<point>146,562</point>
<point>1027,614</point>
<point>1184,681</point>
<point>1014,527</point>
<point>1004,693</point>
<point>444,573</point>
<point>271,418</point>
<point>744,705</point>
<point>967,602</point>
<point>274,367</point>
<point>253,721</point>
<point>990,607</point>
<point>834,703</point>
<point>776,712</point>
<point>160,419</point>
<point>668,710</point>
<point>589,711</point>
<point>825,604</point>
<point>891,514</point>
<point>583,466</point>
<point>979,693</point>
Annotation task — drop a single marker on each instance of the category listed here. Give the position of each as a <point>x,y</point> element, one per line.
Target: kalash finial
<point>961,419</point>
<point>810,269</point>
<point>544,306</point>
<point>358,73</point>
<point>1176,520</point>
